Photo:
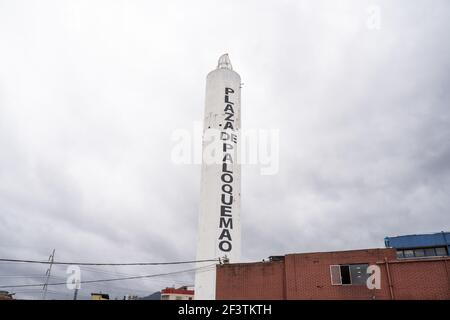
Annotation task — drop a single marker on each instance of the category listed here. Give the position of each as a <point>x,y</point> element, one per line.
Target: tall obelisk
<point>219,230</point>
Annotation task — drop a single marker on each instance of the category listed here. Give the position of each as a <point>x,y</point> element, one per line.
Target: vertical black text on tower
<point>229,140</point>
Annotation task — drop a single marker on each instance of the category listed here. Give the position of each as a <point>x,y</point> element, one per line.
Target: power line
<point>20,276</point>
<point>116,274</point>
<point>111,279</point>
<point>114,279</point>
<point>165,280</point>
<point>106,264</point>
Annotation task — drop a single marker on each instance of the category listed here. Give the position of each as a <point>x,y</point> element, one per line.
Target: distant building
<point>5,295</point>
<point>99,296</point>
<point>182,293</point>
<point>420,245</point>
<point>336,275</point>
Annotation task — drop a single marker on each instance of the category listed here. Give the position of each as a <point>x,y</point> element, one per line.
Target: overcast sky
<point>91,92</point>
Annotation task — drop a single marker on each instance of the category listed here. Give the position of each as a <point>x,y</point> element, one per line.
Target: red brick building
<point>182,293</point>
<point>335,275</point>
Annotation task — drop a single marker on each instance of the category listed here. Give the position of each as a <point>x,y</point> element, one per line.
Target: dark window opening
<point>345,275</point>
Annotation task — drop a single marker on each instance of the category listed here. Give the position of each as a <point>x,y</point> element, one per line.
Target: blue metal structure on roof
<point>439,239</point>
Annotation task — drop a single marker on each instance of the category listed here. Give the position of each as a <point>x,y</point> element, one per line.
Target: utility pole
<point>77,286</point>
<point>75,293</point>
<point>47,273</point>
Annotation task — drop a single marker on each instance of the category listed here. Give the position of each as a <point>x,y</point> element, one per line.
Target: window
<point>178,298</point>
<point>441,251</point>
<point>409,253</point>
<point>335,272</point>
<point>419,253</point>
<point>358,274</point>
<point>354,274</point>
<point>164,297</point>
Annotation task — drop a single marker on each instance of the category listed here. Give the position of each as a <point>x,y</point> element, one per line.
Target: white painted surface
<point>211,183</point>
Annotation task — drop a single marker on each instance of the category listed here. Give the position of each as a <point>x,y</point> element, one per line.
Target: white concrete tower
<point>219,230</point>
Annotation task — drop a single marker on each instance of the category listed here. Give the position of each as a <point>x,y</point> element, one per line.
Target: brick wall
<point>250,281</point>
<point>421,279</point>
<point>307,276</point>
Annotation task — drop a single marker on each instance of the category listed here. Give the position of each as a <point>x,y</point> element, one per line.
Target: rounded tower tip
<point>224,62</point>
